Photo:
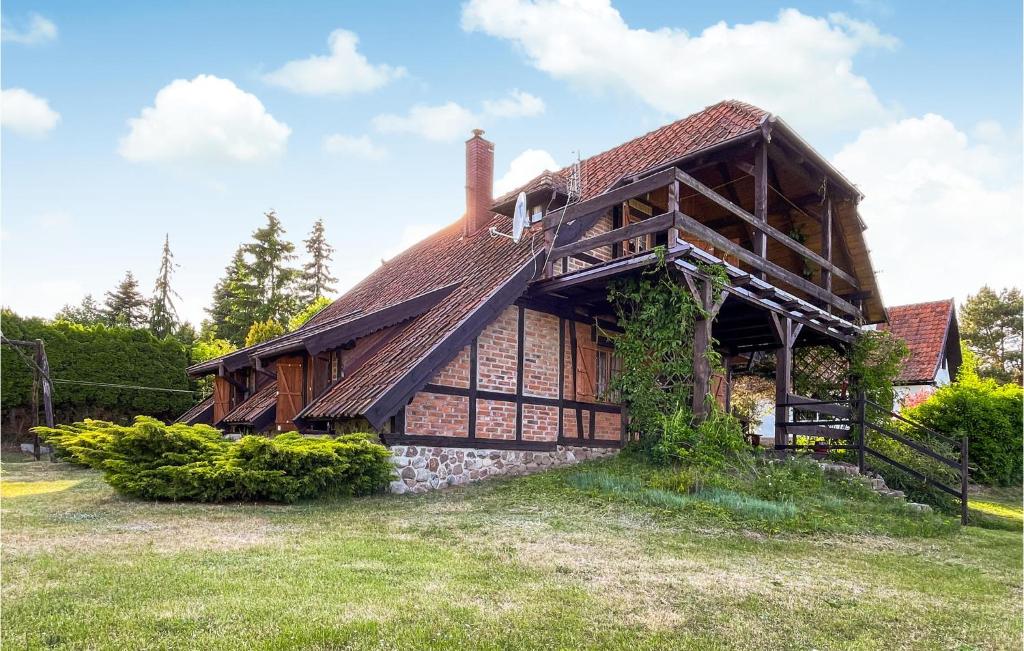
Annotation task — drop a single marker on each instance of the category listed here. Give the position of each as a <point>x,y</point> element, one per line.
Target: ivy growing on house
<point>657,315</point>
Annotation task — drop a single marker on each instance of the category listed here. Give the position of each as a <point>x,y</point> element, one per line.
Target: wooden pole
<point>783,375</point>
<point>44,365</point>
<point>963,480</point>
<point>826,247</point>
<point>761,200</point>
<point>862,439</point>
<point>673,206</point>
<point>701,365</point>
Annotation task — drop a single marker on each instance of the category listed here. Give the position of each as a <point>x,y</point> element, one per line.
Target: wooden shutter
<point>221,398</point>
<point>320,374</point>
<point>586,364</point>
<point>289,392</point>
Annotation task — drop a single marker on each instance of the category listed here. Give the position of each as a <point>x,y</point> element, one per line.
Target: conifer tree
<point>317,280</point>
<point>125,306</point>
<point>235,301</point>
<point>272,276</point>
<point>163,315</point>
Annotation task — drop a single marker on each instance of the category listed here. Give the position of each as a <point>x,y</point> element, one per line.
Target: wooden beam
<point>764,226</point>
<point>602,202</point>
<point>783,377</point>
<point>645,227</point>
<point>691,225</point>
<point>760,201</point>
<point>826,243</point>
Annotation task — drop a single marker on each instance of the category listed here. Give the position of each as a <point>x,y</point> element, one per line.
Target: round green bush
<point>151,460</point>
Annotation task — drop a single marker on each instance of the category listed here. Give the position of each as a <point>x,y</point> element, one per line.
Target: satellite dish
<point>519,218</point>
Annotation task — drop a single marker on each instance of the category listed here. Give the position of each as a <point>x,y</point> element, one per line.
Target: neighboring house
<point>472,355</point>
<point>932,335</point>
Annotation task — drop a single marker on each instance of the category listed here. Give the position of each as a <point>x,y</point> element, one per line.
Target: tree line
<point>262,294</point>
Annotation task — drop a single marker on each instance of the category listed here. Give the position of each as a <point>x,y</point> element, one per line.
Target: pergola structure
<point>781,221</point>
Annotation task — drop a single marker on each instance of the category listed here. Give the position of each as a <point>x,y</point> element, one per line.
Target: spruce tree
<point>235,301</point>
<point>316,275</point>
<point>272,276</point>
<point>125,306</point>
<point>163,315</point>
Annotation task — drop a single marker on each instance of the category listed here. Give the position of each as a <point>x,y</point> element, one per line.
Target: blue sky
<point>917,102</point>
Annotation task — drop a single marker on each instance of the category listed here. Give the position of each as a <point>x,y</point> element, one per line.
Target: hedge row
<point>96,353</point>
<point>151,460</point>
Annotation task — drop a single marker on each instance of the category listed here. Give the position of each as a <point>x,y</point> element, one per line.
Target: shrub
<point>990,415</point>
<point>151,460</point>
<point>712,444</point>
<point>101,355</point>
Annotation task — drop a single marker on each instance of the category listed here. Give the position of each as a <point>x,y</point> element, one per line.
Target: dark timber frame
<point>792,306</point>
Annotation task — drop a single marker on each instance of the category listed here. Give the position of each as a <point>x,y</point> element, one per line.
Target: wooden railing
<point>573,221</point>
<point>849,421</point>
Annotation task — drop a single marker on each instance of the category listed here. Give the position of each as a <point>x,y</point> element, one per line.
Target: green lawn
<point>534,562</point>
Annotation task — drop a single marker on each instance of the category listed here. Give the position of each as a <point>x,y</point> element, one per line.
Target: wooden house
<point>472,355</point>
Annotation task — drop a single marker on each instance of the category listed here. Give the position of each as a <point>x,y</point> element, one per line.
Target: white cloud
<point>342,72</point>
<point>450,121</point>
<point>38,31</point>
<point>524,167</point>
<point>205,119</point>
<point>798,66</point>
<point>944,213</point>
<point>517,105</point>
<point>24,113</point>
<point>355,146</point>
<point>447,121</point>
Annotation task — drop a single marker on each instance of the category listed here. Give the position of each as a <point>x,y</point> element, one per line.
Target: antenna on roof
<point>573,184</point>
<point>518,221</point>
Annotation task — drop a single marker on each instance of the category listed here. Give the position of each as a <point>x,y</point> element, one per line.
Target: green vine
<point>657,315</point>
<point>876,358</point>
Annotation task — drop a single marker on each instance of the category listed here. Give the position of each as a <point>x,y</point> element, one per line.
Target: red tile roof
<point>925,327</point>
<point>713,125</point>
<point>481,263</point>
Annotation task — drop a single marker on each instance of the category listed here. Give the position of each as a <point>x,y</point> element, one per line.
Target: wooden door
<point>586,364</point>
<point>289,392</point>
<point>221,398</point>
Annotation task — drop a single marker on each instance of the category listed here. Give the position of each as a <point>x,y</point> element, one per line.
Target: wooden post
<point>826,246</point>
<point>761,200</point>
<point>673,206</point>
<point>783,377</point>
<point>549,244</point>
<point>728,384</point>
<point>963,480</point>
<point>862,440</point>
<point>701,291</point>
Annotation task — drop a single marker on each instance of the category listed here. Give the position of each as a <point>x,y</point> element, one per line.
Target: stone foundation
<point>423,468</point>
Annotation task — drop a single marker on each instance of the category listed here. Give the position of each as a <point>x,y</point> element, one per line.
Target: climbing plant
<point>876,357</point>
<point>656,314</point>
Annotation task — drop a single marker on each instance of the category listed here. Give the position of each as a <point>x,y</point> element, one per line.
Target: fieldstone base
<point>423,468</point>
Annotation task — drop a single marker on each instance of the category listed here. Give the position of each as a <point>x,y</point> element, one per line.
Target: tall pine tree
<point>163,315</point>
<point>317,281</point>
<point>271,273</point>
<point>235,301</point>
<point>125,306</point>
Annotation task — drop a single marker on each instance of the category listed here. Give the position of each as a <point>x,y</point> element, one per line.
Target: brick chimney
<point>479,182</point>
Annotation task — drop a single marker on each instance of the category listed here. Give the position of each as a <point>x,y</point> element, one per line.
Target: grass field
<point>534,562</point>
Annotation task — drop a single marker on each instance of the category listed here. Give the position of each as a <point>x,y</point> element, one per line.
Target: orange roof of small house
<point>929,330</point>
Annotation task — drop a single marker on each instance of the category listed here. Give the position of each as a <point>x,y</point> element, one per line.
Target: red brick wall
<point>540,423</point>
<point>540,355</point>
<point>602,225</point>
<point>456,374</point>
<point>496,353</point>
<point>495,419</point>
<point>432,414</point>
